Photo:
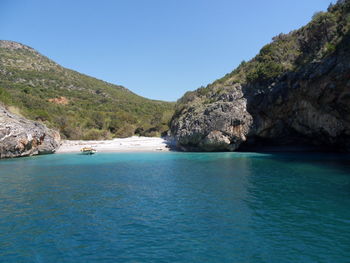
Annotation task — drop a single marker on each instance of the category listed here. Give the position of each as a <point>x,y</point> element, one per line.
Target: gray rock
<point>22,137</point>
<point>218,126</point>
<point>308,107</point>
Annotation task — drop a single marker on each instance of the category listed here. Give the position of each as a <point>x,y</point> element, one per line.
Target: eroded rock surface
<point>219,126</point>
<point>307,104</point>
<point>22,137</point>
<point>305,107</point>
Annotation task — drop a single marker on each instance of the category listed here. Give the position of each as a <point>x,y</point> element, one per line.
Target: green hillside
<point>79,106</point>
<point>286,53</point>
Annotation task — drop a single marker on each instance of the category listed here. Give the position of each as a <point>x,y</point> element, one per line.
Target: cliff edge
<point>296,91</point>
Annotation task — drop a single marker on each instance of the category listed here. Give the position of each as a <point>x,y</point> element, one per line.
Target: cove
<point>175,207</point>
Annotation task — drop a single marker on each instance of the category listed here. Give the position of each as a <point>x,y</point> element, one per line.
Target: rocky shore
<point>296,91</point>
<point>22,137</point>
<point>308,107</point>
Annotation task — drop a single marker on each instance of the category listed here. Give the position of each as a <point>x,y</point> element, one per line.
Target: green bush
<point>95,134</point>
<point>264,72</point>
<point>125,131</point>
<point>330,48</point>
<point>5,97</point>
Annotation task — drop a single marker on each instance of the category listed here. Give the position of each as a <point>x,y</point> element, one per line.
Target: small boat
<point>88,150</point>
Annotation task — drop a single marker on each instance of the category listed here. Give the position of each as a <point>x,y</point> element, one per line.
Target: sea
<point>176,207</point>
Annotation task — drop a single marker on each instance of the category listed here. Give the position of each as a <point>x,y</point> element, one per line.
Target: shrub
<point>263,72</point>
<point>330,48</point>
<point>125,131</point>
<point>95,134</point>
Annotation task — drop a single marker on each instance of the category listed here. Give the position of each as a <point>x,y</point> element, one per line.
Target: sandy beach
<point>131,144</point>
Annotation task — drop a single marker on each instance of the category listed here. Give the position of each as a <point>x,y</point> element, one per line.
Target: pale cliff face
<point>21,137</point>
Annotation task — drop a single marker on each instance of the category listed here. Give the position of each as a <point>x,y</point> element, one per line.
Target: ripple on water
<point>175,207</point>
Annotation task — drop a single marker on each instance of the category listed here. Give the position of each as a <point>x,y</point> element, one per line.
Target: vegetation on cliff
<point>295,91</point>
<point>79,106</point>
<point>286,53</point>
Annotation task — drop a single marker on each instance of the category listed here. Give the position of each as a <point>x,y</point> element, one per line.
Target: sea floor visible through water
<point>175,207</point>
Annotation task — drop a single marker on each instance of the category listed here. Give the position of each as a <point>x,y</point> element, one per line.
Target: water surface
<point>175,207</point>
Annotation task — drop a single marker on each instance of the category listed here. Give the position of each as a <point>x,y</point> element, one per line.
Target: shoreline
<point>157,144</point>
<point>130,144</point>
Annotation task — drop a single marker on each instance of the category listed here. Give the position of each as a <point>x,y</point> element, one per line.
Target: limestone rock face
<point>308,106</point>
<point>220,126</point>
<point>22,137</point>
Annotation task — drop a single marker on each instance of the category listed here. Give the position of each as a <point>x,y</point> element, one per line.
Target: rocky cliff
<point>296,91</point>
<point>21,137</point>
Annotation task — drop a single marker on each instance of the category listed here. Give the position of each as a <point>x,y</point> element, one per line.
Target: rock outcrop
<point>306,104</point>
<point>22,137</point>
<point>219,126</point>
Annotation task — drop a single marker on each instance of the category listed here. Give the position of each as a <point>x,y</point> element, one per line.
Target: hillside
<point>294,92</point>
<point>79,106</point>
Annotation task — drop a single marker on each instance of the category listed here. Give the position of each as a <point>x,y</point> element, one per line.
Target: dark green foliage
<point>94,110</point>
<point>330,48</point>
<point>265,71</point>
<point>5,97</point>
<point>286,53</point>
<point>96,134</point>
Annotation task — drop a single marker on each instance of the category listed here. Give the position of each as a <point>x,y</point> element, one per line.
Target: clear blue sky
<point>157,48</point>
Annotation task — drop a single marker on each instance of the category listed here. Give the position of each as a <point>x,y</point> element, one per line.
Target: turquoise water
<point>175,207</point>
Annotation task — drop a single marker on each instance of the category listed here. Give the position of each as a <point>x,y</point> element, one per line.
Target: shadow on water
<point>297,197</point>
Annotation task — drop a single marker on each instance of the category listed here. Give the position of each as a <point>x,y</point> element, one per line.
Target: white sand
<point>131,144</point>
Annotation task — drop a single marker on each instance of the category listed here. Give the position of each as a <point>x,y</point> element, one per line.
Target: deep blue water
<point>175,207</point>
